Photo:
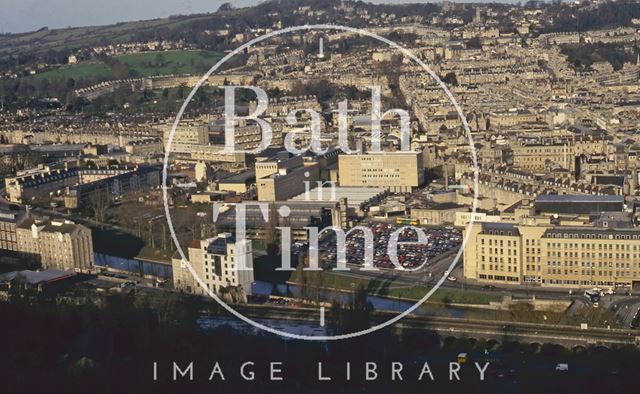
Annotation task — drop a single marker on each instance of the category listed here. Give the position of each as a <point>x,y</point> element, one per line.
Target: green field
<point>390,289</point>
<point>176,62</point>
<point>77,71</point>
<point>142,64</point>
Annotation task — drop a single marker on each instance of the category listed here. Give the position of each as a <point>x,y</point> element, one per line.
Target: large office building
<point>394,171</point>
<point>564,256</point>
<point>216,261</point>
<point>145,147</point>
<point>511,118</point>
<point>539,157</point>
<point>217,154</point>
<point>59,244</point>
<point>186,136</point>
<point>282,177</point>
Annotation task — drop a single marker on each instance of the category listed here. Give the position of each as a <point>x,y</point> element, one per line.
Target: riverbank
<point>330,281</point>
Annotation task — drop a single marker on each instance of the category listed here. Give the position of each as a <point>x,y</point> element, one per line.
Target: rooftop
<point>354,195</point>
<point>571,198</point>
<point>36,277</point>
<point>498,228</point>
<point>51,226</point>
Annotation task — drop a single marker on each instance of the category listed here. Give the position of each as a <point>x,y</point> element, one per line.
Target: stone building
<point>395,171</point>
<point>216,261</point>
<point>56,243</point>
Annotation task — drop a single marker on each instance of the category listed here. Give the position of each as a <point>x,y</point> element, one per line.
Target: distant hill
<point>79,37</point>
<point>268,14</point>
<point>191,28</point>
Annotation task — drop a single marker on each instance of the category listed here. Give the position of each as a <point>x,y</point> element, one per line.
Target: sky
<point>17,16</point>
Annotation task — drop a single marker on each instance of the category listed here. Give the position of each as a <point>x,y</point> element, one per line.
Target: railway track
<point>472,328</point>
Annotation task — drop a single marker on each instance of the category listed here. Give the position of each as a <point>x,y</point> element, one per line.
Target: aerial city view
<point>320,196</point>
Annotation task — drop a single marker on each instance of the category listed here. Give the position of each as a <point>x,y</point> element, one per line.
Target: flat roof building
<point>394,171</point>
<point>284,176</point>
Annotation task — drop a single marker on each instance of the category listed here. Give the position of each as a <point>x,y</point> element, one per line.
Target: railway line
<point>499,331</point>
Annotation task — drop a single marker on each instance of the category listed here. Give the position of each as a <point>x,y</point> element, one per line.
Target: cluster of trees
<point>11,163</point>
<point>581,56</point>
<point>564,17</point>
<point>19,92</point>
<point>325,91</point>
<point>113,348</point>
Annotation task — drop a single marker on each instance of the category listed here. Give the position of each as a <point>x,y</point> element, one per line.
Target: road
<point>625,309</point>
<point>428,276</point>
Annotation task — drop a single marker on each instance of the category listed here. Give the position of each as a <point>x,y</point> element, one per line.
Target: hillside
<point>80,37</point>
<point>144,64</point>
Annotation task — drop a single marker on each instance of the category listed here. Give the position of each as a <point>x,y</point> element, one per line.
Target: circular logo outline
<point>241,48</point>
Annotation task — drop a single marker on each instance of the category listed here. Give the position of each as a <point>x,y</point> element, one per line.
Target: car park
<point>410,254</point>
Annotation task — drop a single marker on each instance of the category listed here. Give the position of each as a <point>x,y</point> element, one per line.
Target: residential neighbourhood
<point>474,168</point>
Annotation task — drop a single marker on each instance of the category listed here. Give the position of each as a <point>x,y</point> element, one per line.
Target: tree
<point>225,7</point>
<point>180,92</point>
<point>474,43</point>
<point>353,317</point>
<point>450,79</point>
<point>100,202</point>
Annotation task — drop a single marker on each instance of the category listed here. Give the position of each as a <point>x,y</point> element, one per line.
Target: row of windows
<point>500,268</point>
<point>590,264</point>
<point>578,282</point>
<point>589,246</point>
<point>385,176</point>
<point>588,255</point>
<point>381,169</point>
<point>231,281</point>
<point>594,236</point>
<point>499,242</point>
<point>500,278</point>
<point>557,271</point>
<point>501,260</point>
<point>510,252</point>
<point>8,237</point>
